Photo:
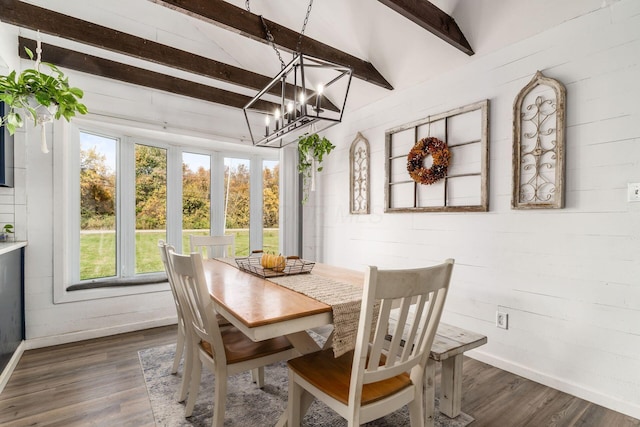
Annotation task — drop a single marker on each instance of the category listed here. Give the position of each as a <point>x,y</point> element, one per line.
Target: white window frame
<point>67,216</point>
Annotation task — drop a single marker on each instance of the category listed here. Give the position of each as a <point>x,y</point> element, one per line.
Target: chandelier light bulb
<point>318,96</point>
<point>290,107</point>
<point>277,114</point>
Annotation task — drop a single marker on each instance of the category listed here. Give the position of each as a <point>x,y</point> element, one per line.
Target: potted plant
<point>7,230</point>
<point>311,152</point>
<point>39,95</point>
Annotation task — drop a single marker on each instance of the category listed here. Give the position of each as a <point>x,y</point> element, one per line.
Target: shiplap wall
<point>569,279</point>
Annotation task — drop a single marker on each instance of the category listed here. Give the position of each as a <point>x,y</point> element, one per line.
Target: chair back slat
<point>190,277</point>
<point>213,246</point>
<point>164,247</point>
<point>420,295</point>
<point>417,324</point>
<point>378,339</point>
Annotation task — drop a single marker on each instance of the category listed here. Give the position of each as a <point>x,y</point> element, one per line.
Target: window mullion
<point>256,202</point>
<point>217,194</point>
<point>126,208</point>
<point>174,197</point>
<point>72,216</point>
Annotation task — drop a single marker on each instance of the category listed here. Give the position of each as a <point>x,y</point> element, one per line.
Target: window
<point>150,206</point>
<point>97,206</point>
<point>122,194</point>
<point>196,196</point>
<point>271,206</point>
<point>237,202</point>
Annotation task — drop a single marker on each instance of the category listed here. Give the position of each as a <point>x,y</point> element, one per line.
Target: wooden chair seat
<point>239,348</point>
<point>332,375</point>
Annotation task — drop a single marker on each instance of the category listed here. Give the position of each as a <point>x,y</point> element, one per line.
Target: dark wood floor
<point>99,383</point>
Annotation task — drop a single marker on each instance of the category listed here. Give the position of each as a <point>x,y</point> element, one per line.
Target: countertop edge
<point>11,246</point>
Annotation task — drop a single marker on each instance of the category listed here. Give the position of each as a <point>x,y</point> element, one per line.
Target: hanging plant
<point>311,152</point>
<point>41,96</point>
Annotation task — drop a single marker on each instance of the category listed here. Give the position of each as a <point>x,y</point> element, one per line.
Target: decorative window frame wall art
<point>359,193</point>
<point>465,187</point>
<point>539,145</point>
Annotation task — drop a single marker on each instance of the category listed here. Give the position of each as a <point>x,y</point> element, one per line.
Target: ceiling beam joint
<point>432,19</point>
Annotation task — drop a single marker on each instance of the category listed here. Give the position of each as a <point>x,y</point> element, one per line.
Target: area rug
<point>247,405</point>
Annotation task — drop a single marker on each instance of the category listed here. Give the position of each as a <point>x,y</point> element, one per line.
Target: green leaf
<point>77,92</point>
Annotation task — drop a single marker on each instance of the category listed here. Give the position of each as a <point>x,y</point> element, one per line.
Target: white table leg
<point>307,400</point>
<point>429,393</point>
<point>304,344</point>
<point>451,386</point>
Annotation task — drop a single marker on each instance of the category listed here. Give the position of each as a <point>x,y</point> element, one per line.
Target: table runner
<point>345,301</point>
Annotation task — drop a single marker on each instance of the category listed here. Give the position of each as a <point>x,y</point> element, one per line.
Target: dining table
<point>262,309</point>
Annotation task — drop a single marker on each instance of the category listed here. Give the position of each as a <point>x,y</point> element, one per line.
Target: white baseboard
<point>628,408</point>
<point>13,362</point>
<point>97,333</point>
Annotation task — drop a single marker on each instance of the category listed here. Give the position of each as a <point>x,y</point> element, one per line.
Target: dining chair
<point>376,379</point>
<point>182,347</point>
<point>214,246</point>
<point>223,351</point>
<point>164,247</point>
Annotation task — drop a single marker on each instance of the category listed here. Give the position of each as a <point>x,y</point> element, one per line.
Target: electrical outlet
<point>633,192</point>
<point>502,320</point>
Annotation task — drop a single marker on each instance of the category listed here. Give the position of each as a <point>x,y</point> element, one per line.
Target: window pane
<point>151,206</point>
<point>236,196</point>
<point>97,206</point>
<point>271,206</point>
<point>196,200</point>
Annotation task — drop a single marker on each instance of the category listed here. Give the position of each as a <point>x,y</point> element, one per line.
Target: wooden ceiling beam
<point>432,19</point>
<point>138,76</point>
<point>47,21</point>
<point>238,20</point>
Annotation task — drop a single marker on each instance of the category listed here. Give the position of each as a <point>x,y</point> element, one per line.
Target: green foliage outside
<point>98,209</point>
<point>98,193</point>
<point>98,250</point>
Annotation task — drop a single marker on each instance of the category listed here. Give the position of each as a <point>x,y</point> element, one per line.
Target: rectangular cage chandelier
<point>308,93</point>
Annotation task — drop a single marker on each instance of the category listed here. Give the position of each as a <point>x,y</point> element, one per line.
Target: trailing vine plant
<point>31,89</point>
<point>311,152</point>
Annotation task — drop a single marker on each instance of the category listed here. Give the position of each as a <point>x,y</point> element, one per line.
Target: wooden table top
<point>257,302</point>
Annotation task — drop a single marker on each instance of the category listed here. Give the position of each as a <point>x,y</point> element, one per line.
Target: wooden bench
<point>448,347</point>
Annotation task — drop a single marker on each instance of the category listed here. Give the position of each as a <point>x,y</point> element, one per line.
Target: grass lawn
<point>97,250</point>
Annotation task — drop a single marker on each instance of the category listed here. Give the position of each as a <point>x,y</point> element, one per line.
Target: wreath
<point>441,155</point>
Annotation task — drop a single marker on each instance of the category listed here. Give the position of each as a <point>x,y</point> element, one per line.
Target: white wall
<point>13,200</point>
<point>569,279</point>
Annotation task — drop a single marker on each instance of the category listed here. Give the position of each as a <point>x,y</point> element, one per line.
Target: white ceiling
<point>404,53</point>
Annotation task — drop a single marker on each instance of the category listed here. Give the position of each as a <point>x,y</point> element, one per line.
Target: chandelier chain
<point>270,37</point>
<point>272,41</point>
<point>304,26</point>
